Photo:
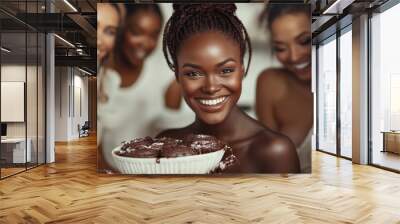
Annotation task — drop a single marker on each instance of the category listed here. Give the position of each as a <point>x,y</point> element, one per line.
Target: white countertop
<point>13,140</point>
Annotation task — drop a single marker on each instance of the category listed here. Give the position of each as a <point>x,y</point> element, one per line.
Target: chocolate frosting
<point>204,143</point>
<point>178,151</point>
<point>169,148</point>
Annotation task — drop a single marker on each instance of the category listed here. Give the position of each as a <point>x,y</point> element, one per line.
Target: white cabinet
<point>15,148</point>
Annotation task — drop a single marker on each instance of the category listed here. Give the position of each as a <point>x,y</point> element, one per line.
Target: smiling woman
<point>284,94</point>
<point>126,80</point>
<point>204,45</point>
<point>210,74</point>
<point>108,20</point>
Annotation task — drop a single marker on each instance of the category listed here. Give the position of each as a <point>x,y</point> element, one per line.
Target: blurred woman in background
<point>284,100</point>
<point>108,21</point>
<point>127,111</point>
<point>109,17</point>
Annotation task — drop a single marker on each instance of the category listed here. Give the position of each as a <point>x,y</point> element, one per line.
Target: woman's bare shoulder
<point>273,82</point>
<point>279,75</point>
<point>272,141</point>
<point>275,152</point>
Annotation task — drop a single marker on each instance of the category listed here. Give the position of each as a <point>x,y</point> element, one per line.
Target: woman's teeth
<point>213,101</point>
<point>140,54</point>
<point>302,65</point>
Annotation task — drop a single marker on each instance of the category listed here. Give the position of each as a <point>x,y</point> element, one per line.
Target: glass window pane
<point>385,86</point>
<point>327,96</point>
<point>41,98</point>
<point>346,94</point>
<point>22,76</point>
<point>31,97</point>
<point>13,86</point>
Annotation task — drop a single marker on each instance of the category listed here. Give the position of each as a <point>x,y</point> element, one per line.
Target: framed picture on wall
<point>12,101</point>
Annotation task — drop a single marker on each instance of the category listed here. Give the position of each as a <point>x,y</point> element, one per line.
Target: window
<point>22,74</point>
<point>326,92</point>
<point>346,93</point>
<point>385,88</point>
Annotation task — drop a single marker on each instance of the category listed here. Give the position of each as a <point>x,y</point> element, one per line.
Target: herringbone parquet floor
<point>70,191</point>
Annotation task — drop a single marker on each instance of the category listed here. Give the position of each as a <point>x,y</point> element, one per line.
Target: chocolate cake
<point>140,148</point>
<point>204,143</point>
<point>191,145</point>
<point>178,151</point>
<point>170,148</point>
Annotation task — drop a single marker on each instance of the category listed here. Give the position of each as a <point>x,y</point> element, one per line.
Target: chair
<point>84,130</point>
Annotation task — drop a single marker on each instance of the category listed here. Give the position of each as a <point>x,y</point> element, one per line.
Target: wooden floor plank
<point>71,191</point>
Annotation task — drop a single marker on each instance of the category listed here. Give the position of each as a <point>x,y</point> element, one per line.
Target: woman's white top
<point>135,111</point>
<point>304,153</point>
<point>128,112</point>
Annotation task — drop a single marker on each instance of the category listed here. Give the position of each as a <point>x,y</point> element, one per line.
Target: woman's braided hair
<point>189,19</point>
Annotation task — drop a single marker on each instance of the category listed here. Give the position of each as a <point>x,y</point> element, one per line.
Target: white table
<point>18,150</point>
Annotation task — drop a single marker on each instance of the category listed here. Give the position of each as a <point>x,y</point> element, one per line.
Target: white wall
<point>79,117</point>
<point>12,73</point>
<point>82,83</point>
<point>61,103</point>
<point>33,127</point>
<point>67,115</point>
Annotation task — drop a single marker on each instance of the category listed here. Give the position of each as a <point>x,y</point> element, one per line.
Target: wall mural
<point>204,88</point>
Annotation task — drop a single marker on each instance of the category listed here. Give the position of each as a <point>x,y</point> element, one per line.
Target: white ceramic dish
<point>197,164</point>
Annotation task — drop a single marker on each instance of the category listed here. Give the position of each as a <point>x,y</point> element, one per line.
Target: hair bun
<point>184,8</point>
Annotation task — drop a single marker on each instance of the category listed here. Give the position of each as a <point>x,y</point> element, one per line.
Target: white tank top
<point>136,111</point>
<point>128,112</point>
<point>304,153</point>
